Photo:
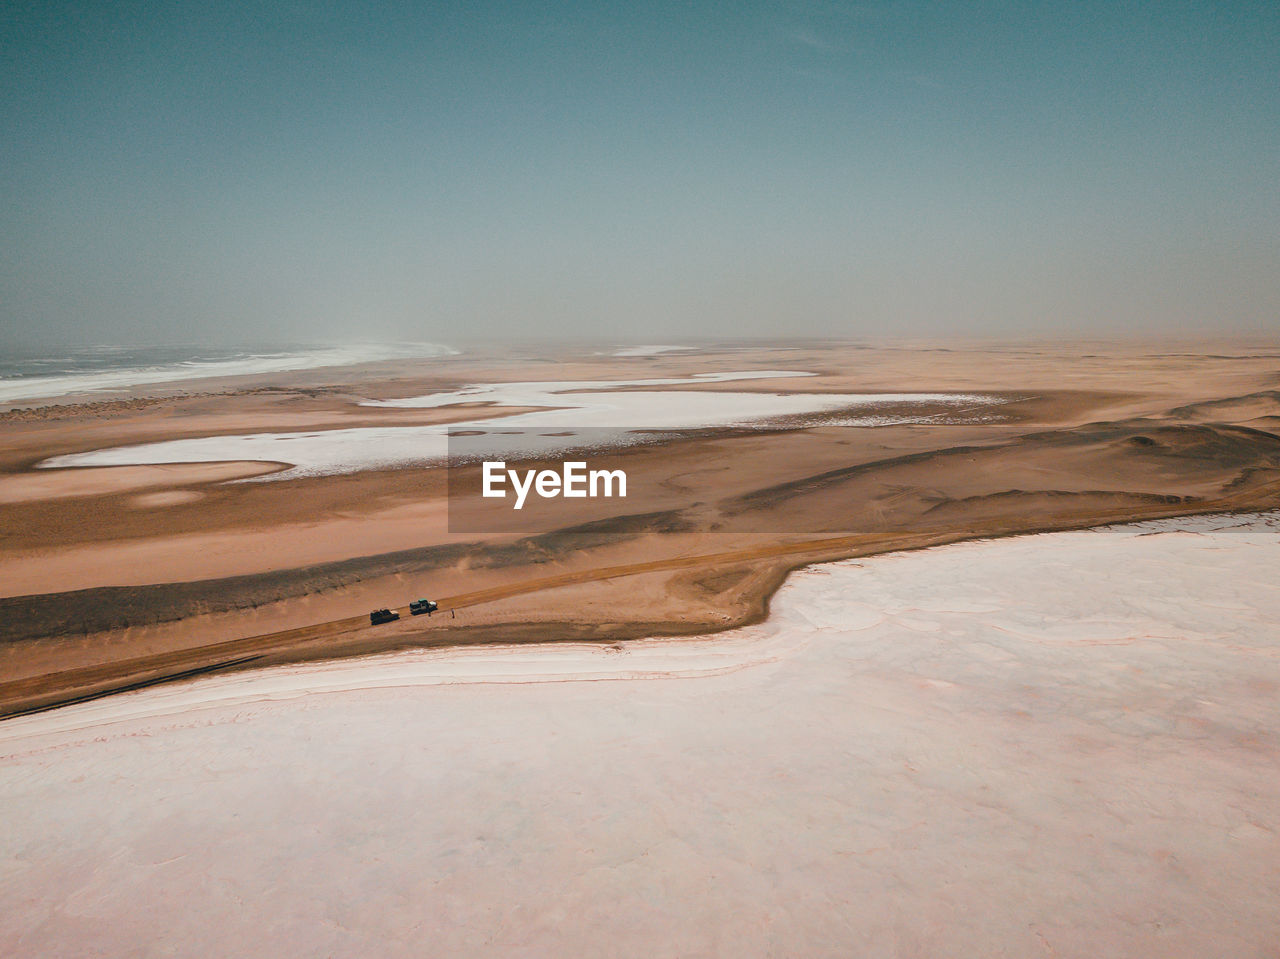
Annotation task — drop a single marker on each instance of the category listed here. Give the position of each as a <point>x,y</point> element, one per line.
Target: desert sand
<point>115,576</point>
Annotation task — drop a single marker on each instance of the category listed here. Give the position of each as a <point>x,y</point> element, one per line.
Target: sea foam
<point>108,368</point>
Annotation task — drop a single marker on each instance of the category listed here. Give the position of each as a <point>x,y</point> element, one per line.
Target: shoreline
<point>142,369</point>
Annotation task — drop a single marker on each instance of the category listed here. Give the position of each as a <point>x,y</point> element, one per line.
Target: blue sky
<point>639,170</point>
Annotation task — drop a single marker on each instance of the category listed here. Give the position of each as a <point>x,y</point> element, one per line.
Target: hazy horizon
<point>645,173</point>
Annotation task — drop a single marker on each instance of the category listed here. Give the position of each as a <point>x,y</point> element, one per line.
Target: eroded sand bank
<point>1054,744</point>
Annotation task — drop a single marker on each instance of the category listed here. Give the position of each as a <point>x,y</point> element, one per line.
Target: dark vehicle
<point>379,616</point>
<point>419,606</point>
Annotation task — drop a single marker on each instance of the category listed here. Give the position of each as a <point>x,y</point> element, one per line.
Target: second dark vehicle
<point>419,606</point>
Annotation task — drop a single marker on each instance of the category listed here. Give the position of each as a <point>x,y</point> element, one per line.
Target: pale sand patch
<point>100,481</point>
<point>174,497</point>
<point>911,758</point>
<point>646,351</point>
<point>213,555</point>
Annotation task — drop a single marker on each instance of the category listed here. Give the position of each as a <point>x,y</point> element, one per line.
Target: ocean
<point>43,375</point>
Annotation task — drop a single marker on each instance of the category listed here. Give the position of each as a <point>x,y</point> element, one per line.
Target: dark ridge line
<point>830,477</point>
<point>1170,499</point>
<point>1079,435</point>
<point>1192,408</point>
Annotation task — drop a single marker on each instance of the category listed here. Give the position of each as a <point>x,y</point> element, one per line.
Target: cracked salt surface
<point>598,406</point>
<point>826,783</point>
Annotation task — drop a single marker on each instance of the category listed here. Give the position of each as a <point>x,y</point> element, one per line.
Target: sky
<point>640,171</point>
